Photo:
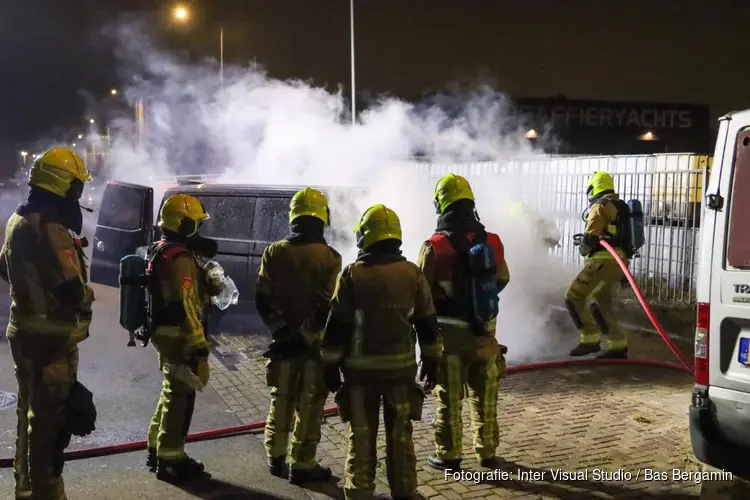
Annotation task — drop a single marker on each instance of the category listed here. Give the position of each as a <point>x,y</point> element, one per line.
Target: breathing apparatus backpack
<point>136,299</point>
<point>475,283</point>
<point>630,233</point>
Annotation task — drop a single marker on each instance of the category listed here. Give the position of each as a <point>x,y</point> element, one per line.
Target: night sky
<point>54,60</point>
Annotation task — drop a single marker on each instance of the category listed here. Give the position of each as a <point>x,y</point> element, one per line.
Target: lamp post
<point>182,15</point>
<point>351,43</point>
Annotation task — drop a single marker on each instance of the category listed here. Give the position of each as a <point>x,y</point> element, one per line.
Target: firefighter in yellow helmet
<point>295,283</point>
<point>180,297</point>
<point>380,301</point>
<point>50,315</point>
<point>472,357</point>
<point>544,230</point>
<point>589,298</point>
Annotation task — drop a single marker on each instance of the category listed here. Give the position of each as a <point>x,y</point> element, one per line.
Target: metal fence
<point>670,187</point>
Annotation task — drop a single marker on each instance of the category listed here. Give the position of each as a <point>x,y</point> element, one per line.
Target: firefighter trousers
<point>45,377</point>
<point>359,405</point>
<point>589,301</point>
<point>171,421</point>
<point>462,376</point>
<point>297,387</point>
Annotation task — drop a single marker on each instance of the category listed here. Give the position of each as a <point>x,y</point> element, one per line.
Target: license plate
<point>742,357</point>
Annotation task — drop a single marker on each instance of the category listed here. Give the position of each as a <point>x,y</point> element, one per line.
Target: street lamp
<point>80,136</point>
<point>92,121</point>
<point>23,155</point>
<point>181,14</point>
<point>113,91</point>
<point>351,43</point>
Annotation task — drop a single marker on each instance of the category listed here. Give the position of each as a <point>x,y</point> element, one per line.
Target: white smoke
<point>274,132</point>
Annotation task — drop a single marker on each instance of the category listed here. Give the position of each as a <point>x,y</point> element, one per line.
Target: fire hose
<point>251,427</point>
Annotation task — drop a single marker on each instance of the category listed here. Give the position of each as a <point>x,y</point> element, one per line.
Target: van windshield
<point>738,231</point>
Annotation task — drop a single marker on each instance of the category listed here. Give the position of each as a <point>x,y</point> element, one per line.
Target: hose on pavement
<point>252,427</point>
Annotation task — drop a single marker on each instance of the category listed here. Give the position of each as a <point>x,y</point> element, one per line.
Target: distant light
<point>181,13</point>
<point>24,153</point>
<point>80,136</point>
<point>92,121</point>
<point>531,134</point>
<point>648,136</point>
<point>74,144</point>
<point>34,155</point>
<point>113,91</point>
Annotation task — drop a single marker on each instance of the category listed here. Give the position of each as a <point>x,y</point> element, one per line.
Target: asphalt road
<point>126,382</point>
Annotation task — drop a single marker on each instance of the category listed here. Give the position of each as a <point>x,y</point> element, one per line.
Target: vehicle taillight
<point>701,343</point>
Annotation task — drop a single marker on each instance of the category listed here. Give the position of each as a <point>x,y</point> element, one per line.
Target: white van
<point>720,409</point>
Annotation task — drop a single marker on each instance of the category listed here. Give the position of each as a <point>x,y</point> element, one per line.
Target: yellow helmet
<point>450,189</point>
<point>182,214</point>
<point>378,223</point>
<point>57,171</point>
<point>599,183</point>
<point>310,202</point>
<point>519,209</point>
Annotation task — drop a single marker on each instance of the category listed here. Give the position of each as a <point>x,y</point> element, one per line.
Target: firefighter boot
<point>278,467</point>
<point>585,349</point>
<point>444,463</point>
<point>492,462</point>
<point>179,470</point>
<point>316,474</point>
<point>151,459</point>
<point>614,354</point>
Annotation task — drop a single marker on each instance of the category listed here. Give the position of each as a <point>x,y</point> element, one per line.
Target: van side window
<point>271,219</point>
<point>738,235</point>
<point>231,217</point>
<point>121,208</point>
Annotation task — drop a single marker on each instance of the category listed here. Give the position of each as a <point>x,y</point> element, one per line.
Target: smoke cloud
<point>257,130</point>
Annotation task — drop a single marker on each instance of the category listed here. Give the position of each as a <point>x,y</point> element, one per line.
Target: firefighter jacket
<point>375,311</point>
<point>48,280</point>
<point>437,260</point>
<point>602,221</point>
<point>294,287</point>
<point>180,299</point>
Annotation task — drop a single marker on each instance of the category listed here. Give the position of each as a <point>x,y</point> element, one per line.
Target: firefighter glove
<point>80,410</point>
<point>588,244</point>
<point>428,372</point>
<point>332,377</point>
<point>577,238</point>
<point>184,374</point>
<point>287,343</point>
<point>202,371</point>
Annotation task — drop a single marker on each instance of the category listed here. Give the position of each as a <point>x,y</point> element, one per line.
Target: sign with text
<point>612,115</point>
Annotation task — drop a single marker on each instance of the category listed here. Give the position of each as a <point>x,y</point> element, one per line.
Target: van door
<point>125,223</point>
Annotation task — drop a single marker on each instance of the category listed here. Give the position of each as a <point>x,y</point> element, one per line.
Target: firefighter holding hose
<point>590,296</point>
<point>380,301</point>
<point>50,315</point>
<point>544,230</point>
<point>466,270</point>
<point>295,283</point>
<point>180,298</point>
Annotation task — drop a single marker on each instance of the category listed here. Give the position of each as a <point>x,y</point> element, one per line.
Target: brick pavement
<point>603,420</point>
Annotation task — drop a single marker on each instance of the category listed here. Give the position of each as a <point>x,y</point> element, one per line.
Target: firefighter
<point>472,357</point>
<point>544,229</point>
<point>50,315</point>
<point>180,298</point>
<point>589,298</point>
<point>295,283</point>
<point>380,301</point>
